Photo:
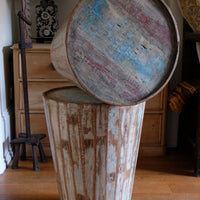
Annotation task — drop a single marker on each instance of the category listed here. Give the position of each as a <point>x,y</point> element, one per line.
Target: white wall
<point>6,108</point>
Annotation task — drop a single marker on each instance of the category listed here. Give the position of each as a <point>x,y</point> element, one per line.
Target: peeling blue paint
<point>124,50</point>
<point>113,116</point>
<point>111,159</point>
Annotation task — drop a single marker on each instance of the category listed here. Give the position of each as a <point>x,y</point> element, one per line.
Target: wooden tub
<point>94,145</point>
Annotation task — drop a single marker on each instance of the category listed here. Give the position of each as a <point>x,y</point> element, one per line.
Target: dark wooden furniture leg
<point>33,140</point>
<point>17,142</point>
<point>23,152</point>
<point>16,157</point>
<point>197,157</point>
<point>35,160</point>
<point>197,142</point>
<point>23,148</point>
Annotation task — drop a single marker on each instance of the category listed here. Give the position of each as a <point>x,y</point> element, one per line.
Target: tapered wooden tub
<point>94,145</point>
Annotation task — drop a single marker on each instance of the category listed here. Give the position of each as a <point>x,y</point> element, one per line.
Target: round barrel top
<point>71,95</point>
<point>122,51</point>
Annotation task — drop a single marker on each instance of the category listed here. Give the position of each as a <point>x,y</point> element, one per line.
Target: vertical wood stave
<point>94,148</point>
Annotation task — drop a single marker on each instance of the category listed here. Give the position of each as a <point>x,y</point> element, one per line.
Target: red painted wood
<point>122,52</point>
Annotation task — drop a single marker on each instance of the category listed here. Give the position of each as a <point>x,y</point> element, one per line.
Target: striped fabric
<point>182,92</point>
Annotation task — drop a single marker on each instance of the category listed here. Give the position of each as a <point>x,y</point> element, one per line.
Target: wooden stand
<point>26,138</point>
<point>94,145</point>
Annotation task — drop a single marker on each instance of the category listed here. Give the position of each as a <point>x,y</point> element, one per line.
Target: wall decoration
<point>191,12</point>
<point>46,20</point>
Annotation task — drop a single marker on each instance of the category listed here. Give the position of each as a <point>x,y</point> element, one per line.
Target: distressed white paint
<point>94,146</point>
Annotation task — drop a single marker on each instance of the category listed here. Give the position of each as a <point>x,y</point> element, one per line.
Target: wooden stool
<point>94,145</point>
<point>33,140</point>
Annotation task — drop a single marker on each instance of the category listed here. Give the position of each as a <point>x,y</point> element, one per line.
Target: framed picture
<point>46,20</point>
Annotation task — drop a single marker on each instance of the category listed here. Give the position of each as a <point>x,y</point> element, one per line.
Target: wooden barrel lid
<point>122,51</point>
<point>71,95</point>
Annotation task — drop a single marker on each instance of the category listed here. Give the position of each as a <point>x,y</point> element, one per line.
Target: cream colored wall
<point>6,7</point>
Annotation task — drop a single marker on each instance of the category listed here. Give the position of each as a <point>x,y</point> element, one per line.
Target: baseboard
<point>152,151</point>
<point>2,166</point>
<point>6,116</point>
<point>8,158</point>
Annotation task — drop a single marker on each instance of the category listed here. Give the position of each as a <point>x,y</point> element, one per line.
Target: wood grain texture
<point>41,77</point>
<point>39,61</point>
<point>157,178</point>
<point>94,146</point>
<point>122,52</point>
<point>36,89</point>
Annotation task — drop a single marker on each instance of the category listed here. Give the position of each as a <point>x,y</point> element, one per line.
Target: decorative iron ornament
<point>46,19</point>
<point>27,27</point>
